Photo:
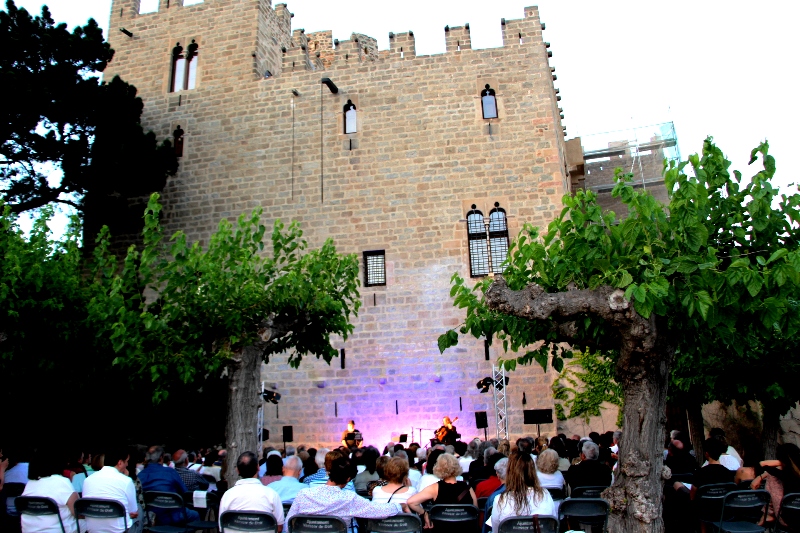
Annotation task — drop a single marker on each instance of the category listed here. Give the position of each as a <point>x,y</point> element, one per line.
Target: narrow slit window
<point>478,249</point>
<point>177,136</point>
<point>498,238</point>
<point>488,102</point>
<point>350,117</point>
<point>374,268</point>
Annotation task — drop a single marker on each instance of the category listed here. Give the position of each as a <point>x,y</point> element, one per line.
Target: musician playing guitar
<point>447,434</point>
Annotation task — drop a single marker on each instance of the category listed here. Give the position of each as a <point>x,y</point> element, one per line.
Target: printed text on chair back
<point>303,523</point>
<point>401,523</point>
<point>710,498</point>
<point>250,522</point>
<point>454,513</point>
<point>527,524</point>
<point>95,508</point>
<point>36,506</point>
<point>588,492</point>
<point>163,500</point>
<point>745,506</point>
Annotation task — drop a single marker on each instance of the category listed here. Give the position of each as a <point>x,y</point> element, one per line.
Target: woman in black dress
<point>448,490</point>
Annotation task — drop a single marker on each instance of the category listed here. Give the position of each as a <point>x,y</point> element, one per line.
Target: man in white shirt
<point>289,485</point>
<point>112,483</point>
<point>248,494</point>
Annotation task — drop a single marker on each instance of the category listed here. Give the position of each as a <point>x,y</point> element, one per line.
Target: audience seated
<point>678,459</point>
<point>210,467</point>
<point>249,494</point>
<point>289,485</point>
<point>331,498</point>
<point>46,481</point>
<point>752,456</point>
<point>713,472</point>
<point>397,488</point>
<point>369,456</point>
<point>157,477</point>
<point>274,470</point>
<point>589,472</point>
<point>430,478</point>
<point>380,464</point>
<point>501,468</point>
<point>111,482</point>
<point>485,488</point>
<point>547,468</point>
<point>190,478</point>
<point>524,494</point>
<point>557,445</point>
<point>448,490</point>
<point>726,459</point>
<point>414,475</point>
<point>322,475</point>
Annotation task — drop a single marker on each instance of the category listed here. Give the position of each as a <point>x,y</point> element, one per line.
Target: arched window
<point>350,117</point>
<point>478,250</point>
<point>498,237</point>
<point>488,102</point>
<point>184,67</point>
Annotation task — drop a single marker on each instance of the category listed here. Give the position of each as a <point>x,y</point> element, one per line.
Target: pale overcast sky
<point>726,69</point>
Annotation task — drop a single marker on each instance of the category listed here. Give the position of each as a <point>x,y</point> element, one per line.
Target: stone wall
<point>403,183</point>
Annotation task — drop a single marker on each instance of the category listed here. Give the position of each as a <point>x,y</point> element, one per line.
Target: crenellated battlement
<point>457,38</point>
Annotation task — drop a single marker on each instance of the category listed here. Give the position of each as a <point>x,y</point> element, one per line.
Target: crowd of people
<point>350,483</point>
<point>527,477</point>
<point>723,464</point>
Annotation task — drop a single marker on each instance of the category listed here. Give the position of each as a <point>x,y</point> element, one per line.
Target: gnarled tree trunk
<point>770,427</point>
<point>643,372</point>
<point>243,403</point>
<point>635,497</point>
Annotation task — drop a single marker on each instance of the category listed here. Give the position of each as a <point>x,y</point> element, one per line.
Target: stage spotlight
<point>271,396</point>
<point>500,385</point>
<point>485,384</point>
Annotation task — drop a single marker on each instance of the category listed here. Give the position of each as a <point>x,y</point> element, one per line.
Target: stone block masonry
<point>403,182</point>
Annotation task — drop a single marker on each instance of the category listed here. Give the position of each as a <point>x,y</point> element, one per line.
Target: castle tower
<point>391,166</point>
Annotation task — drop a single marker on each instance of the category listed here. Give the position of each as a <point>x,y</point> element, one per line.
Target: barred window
<point>498,237</point>
<point>374,268</point>
<point>478,249</point>
<point>184,67</point>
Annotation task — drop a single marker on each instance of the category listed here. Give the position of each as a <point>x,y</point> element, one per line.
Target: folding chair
<point>709,500</point>
<point>364,494</point>
<point>587,492</point>
<point>100,510</point>
<point>309,523</point>
<point>401,523</point>
<point>466,516</point>
<point>516,524</point>
<point>36,506</point>
<point>248,521</point>
<point>557,494</point>
<point>171,501</point>
<point>788,520</point>
<point>742,510</point>
<point>207,504</point>
<point>8,495</point>
<point>482,502</point>
<point>286,507</point>
<point>585,511</point>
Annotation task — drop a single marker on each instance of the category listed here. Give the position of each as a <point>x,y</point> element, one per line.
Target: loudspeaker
<point>288,434</point>
<point>264,434</point>
<point>538,416</point>
<point>481,421</point>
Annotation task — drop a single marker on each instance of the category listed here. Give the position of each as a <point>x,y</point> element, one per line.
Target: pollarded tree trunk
<point>635,497</point>
<point>243,402</point>
<point>643,372</point>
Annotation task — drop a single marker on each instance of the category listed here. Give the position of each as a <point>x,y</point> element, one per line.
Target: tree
<point>66,137</point>
<point>659,281</point>
<point>585,384</point>
<point>224,309</point>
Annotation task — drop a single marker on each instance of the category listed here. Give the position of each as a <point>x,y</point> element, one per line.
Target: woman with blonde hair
<point>448,490</point>
<point>398,489</point>
<point>524,495</point>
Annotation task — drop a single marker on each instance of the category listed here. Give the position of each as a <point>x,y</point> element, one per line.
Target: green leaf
<point>777,255</point>
<point>540,357</point>
<point>558,364</point>
<point>447,340</point>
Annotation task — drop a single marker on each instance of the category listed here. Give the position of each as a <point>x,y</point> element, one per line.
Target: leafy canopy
<point>210,303</point>
<point>720,264</point>
<point>63,133</point>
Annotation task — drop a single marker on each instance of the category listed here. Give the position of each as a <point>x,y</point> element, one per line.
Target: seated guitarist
<point>447,433</point>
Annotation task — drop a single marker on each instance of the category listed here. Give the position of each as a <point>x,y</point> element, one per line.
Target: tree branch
<point>607,303</point>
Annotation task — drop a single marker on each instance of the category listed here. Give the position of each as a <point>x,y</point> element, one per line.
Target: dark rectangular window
<point>374,268</point>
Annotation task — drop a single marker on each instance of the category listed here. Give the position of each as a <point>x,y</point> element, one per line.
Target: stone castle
<point>422,165</point>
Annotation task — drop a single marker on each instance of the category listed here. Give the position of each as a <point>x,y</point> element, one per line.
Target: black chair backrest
<point>401,523</point>
<point>585,510</point>
<point>212,500</point>
<point>211,479</point>
<point>710,499</point>
<point>683,478</point>
<point>557,494</point>
<point>744,506</point>
<point>587,492</point>
<point>307,523</point>
<point>514,524</point>
<point>163,500</point>
<point>286,507</point>
<point>744,484</point>
<point>10,492</point>
<point>453,513</point>
<point>363,494</point>
<point>789,513</point>
<point>249,521</point>
<point>97,508</point>
<point>37,506</point>
<point>482,503</point>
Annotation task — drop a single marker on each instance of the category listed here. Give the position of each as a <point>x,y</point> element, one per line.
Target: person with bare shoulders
<point>446,491</point>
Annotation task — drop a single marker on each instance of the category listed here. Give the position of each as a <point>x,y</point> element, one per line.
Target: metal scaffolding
<point>500,404</point>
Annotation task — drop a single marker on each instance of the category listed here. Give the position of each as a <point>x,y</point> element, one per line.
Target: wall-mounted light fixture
<point>294,92</point>
<point>126,32</point>
<point>330,85</point>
